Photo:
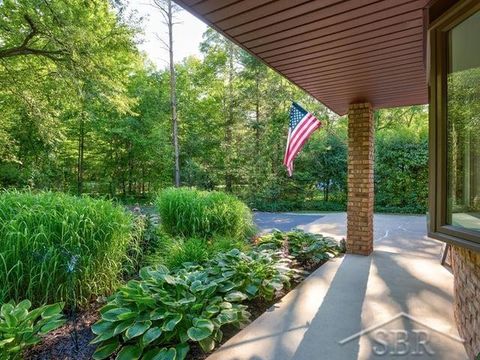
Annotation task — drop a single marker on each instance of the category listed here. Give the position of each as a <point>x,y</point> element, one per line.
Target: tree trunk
<point>173,95</point>
<point>80,159</point>
<point>229,124</point>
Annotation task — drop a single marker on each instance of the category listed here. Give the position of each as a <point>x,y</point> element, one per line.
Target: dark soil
<point>66,344</point>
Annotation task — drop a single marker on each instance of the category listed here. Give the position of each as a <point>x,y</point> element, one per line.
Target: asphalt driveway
<point>267,222</point>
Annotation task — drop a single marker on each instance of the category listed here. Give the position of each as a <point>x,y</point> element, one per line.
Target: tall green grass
<point>55,247</point>
<point>190,212</point>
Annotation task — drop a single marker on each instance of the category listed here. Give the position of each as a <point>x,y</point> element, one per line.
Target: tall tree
<point>168,9</point>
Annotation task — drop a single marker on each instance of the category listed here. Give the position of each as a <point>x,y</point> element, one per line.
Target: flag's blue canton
<point>297,113</point>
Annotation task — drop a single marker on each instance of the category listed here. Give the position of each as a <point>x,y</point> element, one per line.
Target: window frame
<point>438,67</point>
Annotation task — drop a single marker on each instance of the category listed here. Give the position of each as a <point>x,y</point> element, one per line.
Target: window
<point>454,49</point>
<point>463,124</point>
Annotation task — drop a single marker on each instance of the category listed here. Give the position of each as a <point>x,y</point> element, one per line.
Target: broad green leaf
<point>251,289</point>
<point>207,344</point>
<point>112,315</point>
<point>130,352</point>
<point>157,314</point>
<point>101,326</point>
<point>182,351</point>
<point>203,323</point>
<point>167,354</point>
<point>121,327</point>
<point>106,349</point>
<point>198,334</point>
<point>235,296</point>
<point>52,325</point>
<point>227,286</point>
<point>137,329</point>
<point>25,304</point>
<point>151,335</point>
<point>104,334</point>
<point>161,354</point>
<point>212,309</point>
<point>170,325</point>
<point>51,310</point>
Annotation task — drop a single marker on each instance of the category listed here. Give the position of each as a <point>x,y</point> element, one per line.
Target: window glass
<point>463,122</point>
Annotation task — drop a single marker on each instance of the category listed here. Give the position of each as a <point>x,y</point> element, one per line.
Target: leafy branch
<point>25,48</point>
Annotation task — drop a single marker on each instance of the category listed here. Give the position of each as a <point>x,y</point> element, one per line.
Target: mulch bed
<point>62,344</point>
<point>66,344</point>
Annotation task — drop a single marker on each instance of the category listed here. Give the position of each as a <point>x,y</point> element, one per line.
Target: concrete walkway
<point>394,304</point>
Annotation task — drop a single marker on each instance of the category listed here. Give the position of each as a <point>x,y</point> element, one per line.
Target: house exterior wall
<point>466,270</point>
<point>360,179</point>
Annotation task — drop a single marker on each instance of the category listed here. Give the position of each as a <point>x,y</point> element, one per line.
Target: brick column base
<point>360,179</point>
<point>466,305</point>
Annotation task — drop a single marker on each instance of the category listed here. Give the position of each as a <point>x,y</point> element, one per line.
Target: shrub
<point>159,314</point>
<point>55,247</point>
<point>21,328</point>
<point>306,248</point>
<point>193,213</point>
<point>174,252</point>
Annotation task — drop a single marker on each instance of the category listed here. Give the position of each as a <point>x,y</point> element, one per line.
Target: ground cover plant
<point>189,212</point>
<point>21,327</point>
<point>55,247</point>
<point>155,317</point>
<point>306,248</point>
<point>166,311</point>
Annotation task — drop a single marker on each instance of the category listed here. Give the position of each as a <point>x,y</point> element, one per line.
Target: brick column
<point>466,307</point>
<point>360,179</point>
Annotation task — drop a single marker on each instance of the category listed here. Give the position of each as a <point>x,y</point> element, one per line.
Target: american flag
<point>302,125</point>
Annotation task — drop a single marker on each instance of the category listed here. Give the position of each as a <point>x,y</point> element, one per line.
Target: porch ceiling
<point>338,51</point>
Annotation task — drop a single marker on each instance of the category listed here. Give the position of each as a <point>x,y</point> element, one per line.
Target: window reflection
<point>463,121</point>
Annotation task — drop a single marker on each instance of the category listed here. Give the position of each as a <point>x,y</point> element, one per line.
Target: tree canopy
<point>83,111</point>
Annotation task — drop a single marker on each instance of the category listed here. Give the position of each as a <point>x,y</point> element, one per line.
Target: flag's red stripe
<point>301,140</point>
<point>304,126</point>
<point>296,144</point>
<point>300,145</point>
<point>299,126</point>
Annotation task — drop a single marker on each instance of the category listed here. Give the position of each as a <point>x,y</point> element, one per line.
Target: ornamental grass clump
<point>59,248</point>
<point>189,212</point>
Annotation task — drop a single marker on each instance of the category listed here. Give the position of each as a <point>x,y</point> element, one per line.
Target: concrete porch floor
<point>354,293</point>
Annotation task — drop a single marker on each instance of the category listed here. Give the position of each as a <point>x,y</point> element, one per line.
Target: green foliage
<point>174,252</point>
<point>401,174</point>
<point>256,273</point>
<point>163,311</point>
<point>84,112</point>
<point>299,205</point>
<point>21,327</point>
<point>193,213</point>
<point>55,247</point>
<point>166,310</point>
<point>306,248</point>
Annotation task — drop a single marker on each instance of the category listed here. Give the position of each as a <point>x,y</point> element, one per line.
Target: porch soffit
<point>340,52</point>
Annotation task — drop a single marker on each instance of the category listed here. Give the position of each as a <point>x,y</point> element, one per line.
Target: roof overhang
<point>341,52</point>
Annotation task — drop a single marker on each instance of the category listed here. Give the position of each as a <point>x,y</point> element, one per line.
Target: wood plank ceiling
<point>340,52</point>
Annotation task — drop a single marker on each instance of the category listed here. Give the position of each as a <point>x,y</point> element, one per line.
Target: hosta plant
<point>21,327</point>
<point>306,248</point>
<point>157,316</point>
<point>257,273</point>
